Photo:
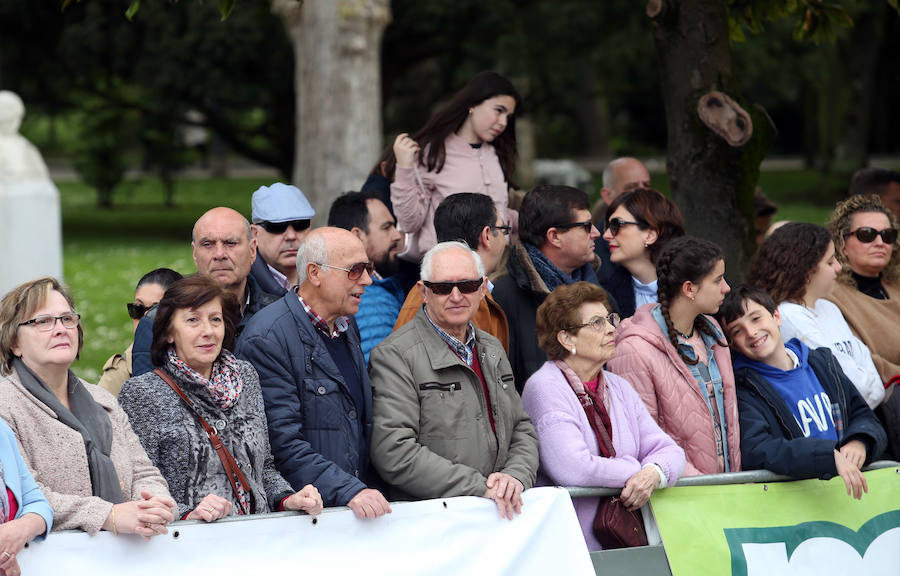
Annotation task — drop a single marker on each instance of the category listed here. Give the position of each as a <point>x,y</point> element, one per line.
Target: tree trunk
<point>711,180</point>
<point>337,46</point>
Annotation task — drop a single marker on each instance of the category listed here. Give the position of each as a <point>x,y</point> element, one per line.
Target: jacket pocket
<point>446,411</point>
<point>323,404</point>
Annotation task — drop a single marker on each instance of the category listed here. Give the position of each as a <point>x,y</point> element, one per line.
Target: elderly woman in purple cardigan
<point>593,428</point>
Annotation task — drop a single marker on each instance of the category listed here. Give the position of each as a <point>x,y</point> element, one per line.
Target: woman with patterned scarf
<point>201,395</point>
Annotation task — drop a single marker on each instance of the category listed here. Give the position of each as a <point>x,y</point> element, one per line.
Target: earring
<point>470,111</point>
<point>646,245</point>
<point>574,352</point>
<point>692,297</point>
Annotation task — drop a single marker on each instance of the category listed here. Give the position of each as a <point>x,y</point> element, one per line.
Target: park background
<point>148,121</point>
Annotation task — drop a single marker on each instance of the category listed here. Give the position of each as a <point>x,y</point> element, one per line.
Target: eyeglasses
<point>355,271</point>
<point>588,225</point>
<point>867,234</point>
<point>598,323</point>
<point>615,224</point>
<point>280,227</point>
<point>46,322</point>
<point>507,230</point>
<point>136,311</point>
<point>464,286</point>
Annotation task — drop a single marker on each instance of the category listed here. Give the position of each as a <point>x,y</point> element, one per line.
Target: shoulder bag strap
<point>232,470</point>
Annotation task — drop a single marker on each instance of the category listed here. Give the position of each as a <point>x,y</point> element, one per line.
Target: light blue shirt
<point>643,293</point>
<point>20,481</point>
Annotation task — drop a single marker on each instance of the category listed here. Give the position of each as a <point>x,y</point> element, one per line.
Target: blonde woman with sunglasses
<point>868,293</point>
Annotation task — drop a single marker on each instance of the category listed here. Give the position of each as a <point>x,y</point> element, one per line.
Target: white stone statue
<point>30,224</point>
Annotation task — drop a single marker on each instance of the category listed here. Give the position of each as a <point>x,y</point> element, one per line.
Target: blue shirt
<point>801,391</point>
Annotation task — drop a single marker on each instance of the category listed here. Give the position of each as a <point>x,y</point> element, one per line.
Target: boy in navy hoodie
<point>799,414</point>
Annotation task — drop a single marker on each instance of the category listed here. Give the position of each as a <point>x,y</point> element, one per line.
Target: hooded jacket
<point>646,358</point>
<point>771,439</point>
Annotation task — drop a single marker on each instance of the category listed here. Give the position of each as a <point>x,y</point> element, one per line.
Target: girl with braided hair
<point>673,353</point>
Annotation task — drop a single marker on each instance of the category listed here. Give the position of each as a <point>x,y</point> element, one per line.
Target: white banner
<point>450,536</point>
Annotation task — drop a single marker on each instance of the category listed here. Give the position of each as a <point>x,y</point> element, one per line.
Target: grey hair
<point>426,272</point>
<point>311,249</point>
<point>609,173</point>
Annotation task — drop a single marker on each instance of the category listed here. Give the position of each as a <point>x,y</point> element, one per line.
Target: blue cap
<point>280,203</point>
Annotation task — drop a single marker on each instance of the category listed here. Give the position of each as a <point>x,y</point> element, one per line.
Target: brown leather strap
<point>232,470</point>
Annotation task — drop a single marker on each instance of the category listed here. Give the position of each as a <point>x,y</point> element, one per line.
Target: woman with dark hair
<point>674,355</point>
<point>201,382</point>
<point>868,293</point>
<point>74,436</point>
<point>639,224</point>
<point>797,266</point>
<point>150,288</point>
<point>571,397</point>
<point>467,146</point>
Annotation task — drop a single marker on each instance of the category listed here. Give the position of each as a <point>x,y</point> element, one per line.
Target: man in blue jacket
<point>799,414</point>
<point>315,385</point>
<point>368,219</point>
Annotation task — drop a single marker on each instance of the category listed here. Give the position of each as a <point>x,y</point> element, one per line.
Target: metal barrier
<point>651,560</point>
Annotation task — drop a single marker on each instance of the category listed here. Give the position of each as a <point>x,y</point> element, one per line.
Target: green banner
<point>782,528</point>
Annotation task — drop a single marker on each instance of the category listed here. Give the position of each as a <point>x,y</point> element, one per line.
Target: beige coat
<point>56,456</point>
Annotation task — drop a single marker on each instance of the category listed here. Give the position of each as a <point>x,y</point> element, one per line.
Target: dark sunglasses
<point>587,225</point>
<point>137,311</point>
<point>355,271</point>
<point>615,224</point>
<point>280,227</point>
<point>866,234</point>
<point>444,288</point>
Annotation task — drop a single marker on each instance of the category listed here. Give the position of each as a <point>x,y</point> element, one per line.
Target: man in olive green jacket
<point>447,420</point>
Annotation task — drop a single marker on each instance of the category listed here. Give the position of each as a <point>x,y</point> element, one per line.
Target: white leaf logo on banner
<point>817,548</point>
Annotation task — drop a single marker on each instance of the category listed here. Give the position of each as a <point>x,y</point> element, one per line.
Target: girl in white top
<point>796,264</point>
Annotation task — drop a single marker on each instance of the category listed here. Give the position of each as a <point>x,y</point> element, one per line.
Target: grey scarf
<point>89,419</point>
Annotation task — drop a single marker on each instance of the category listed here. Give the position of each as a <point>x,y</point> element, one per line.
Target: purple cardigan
<point>568,448</point>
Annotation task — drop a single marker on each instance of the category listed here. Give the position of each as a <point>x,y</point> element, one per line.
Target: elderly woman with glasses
<point>592,426</point>
<point>868,293</point>
<point>149,290</point>
<point>74,436</point>
<point>202,395</point>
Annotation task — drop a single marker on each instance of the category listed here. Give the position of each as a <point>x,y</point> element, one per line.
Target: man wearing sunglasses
<point>557,247</point>
<point>472,218</point>
<point>315,385</point>
<point>281,217</point>
<point>447,418</point>
<point>369,219</point>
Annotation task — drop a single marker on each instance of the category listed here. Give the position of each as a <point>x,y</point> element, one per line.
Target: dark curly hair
<point>685,259</point>
<point>560,310</point>
<point>787,259</point>
<point>839,226</point>
<point>651,210</point>
<point>450,118</point>
<point>191,292</point>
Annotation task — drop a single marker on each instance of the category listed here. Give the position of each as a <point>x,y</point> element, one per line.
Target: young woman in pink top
<point>467,146</point>
<point>674,354</point>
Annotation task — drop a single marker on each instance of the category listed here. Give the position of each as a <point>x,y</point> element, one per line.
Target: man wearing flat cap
<point>281,217</point>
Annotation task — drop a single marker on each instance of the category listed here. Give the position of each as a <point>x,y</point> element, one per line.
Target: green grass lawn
<point>105,252</point>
